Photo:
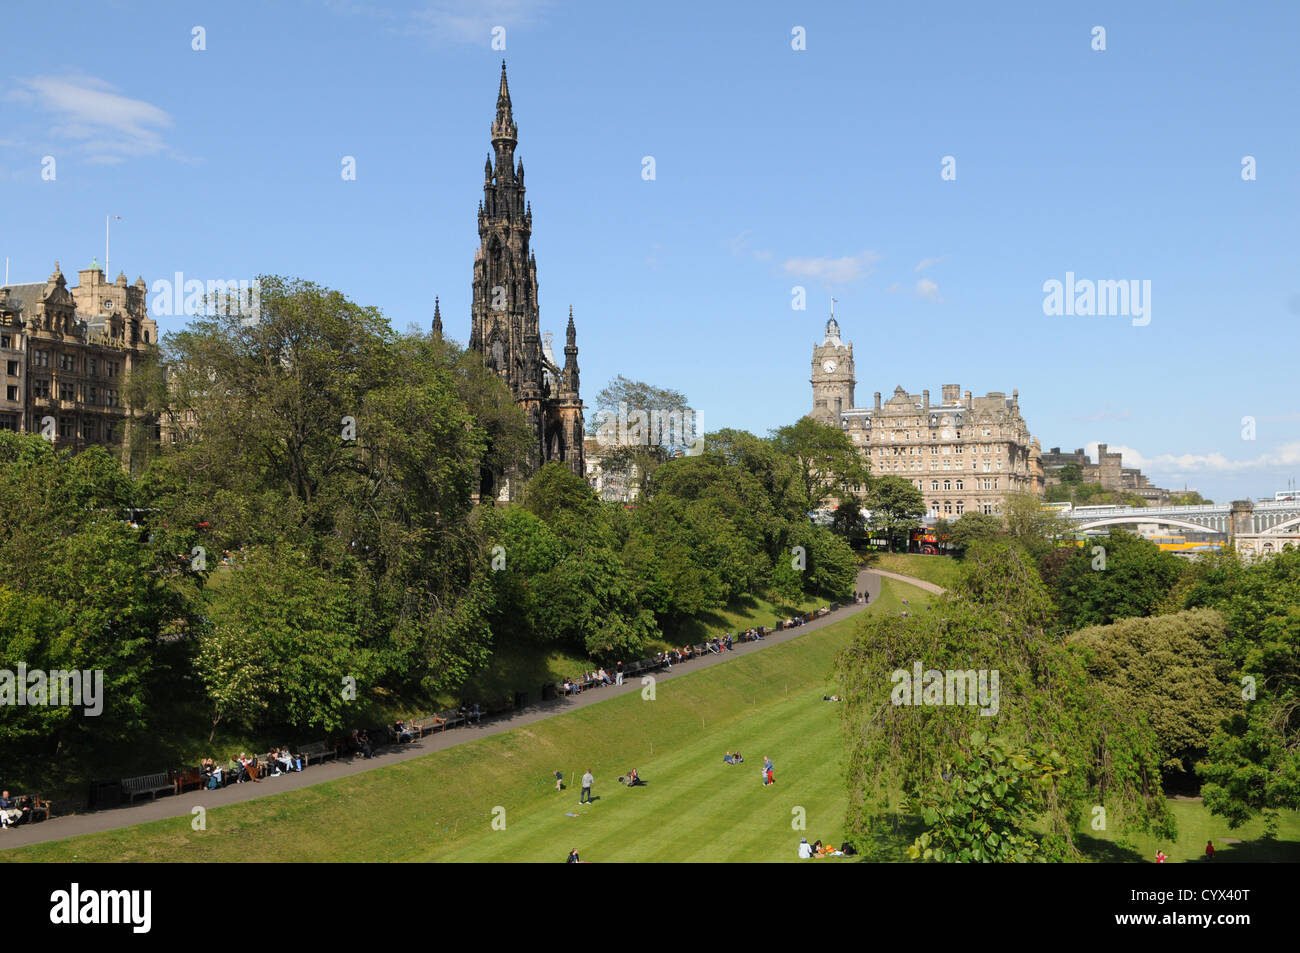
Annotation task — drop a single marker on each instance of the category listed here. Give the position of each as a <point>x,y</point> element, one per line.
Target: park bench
<point>33,808</point>
<point>431,723</point>
<point>451,718</point>
<point>320,750</point>
<point>187,778</point>
<point>151,784</point>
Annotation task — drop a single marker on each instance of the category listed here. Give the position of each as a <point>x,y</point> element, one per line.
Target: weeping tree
<point>923,690</point>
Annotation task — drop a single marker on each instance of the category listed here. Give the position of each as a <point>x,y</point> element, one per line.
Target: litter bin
<point>548,692</point>
<point>521,700</point>
<point>105,794</point>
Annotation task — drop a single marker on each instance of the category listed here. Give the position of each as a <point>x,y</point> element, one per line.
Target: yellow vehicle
<point>1179,544</point>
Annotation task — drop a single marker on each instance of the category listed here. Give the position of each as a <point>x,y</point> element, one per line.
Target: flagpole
<point>106,220</point>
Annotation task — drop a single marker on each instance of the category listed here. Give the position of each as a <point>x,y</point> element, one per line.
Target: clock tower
<point>832,376</point>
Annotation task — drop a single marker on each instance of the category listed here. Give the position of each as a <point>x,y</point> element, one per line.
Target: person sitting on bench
<point>9,812</point>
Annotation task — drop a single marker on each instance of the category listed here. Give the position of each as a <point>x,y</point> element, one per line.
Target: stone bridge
<point>1239,518</point>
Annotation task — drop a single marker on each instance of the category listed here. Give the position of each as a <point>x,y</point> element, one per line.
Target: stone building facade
<point>504,313</point>
<point>964,453</point>
<point>66,353</point>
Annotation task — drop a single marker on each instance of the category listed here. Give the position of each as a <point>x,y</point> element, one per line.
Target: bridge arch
<point>1159,520</point>
<point>1282,527</point>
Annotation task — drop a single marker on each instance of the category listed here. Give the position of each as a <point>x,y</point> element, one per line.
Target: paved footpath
<point>143,812</point>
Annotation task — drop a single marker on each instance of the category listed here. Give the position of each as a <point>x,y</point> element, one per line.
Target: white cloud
<point>925,263</point>
<point>927,289</point>
<point>1286,455</point>
<point>107,126</point>
<point>835,270</point>
<point>471,21</point>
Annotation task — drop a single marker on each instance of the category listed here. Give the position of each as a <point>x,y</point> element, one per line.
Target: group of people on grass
<point>730,758</point>
<point>817,849</point>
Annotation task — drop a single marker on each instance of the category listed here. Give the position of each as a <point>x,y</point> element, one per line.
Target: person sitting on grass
<point>573,857</point>
<point>559,781</point>
<point>632,779</point>
<point>728,759</point>
<point>737,759</point>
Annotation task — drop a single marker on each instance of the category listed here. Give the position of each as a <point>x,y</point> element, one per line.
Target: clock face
<point>108,304</point>
<point>829,367</point>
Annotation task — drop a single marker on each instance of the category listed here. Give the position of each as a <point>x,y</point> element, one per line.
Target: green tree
<point>829,463</point>
<point>294,630</point>
<point>1120,577</point>
<point>896,508</point>
<point>1253,764</point>
<point>899,752</point>
<point>973,527</point>
<point>847,520</point>
<point>985,813</point>
<point>1035,527</point>
<point>1172,670</point>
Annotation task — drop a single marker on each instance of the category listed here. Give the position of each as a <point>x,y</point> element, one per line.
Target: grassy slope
<point>940,570</point>
<point>440,806</point>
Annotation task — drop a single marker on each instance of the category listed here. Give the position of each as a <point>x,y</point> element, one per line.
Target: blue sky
<point>775,168</point>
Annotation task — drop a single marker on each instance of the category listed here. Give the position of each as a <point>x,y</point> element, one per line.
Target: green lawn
<point>940,570</point>
<point>1196,825</point>
<point>441,806</point>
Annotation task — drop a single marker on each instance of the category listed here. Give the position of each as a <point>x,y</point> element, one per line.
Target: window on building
<point>9,422</point>
<point>40,358</point>
<point>11,367</point>
<point>65,427</point>
<point>959,485</point>
<point>110,431</point>
<point>934,484</point>
<point>89,430</point>
<point>961,505</point>
<point>92,366</point>
<point>67,392</point>
<point>6,340</point>
<point>947,507</point>
<point>67,362</point>
<point>987,508</point>
<point>11,392</point>
<point>947,484</point>
<point>41,389</point>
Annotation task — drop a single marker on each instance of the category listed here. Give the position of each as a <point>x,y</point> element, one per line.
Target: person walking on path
<point>618,675</point>
<point>587,782</point>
